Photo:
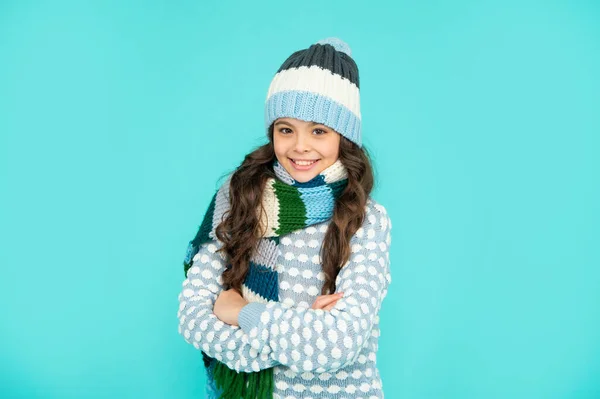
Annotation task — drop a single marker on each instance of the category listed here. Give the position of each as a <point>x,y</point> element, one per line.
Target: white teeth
<point>304,163</point>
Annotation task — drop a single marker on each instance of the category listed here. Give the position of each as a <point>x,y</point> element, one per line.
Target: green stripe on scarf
<point>292,211</point>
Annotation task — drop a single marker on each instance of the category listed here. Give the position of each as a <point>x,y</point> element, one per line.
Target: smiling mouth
<point>301,162</point>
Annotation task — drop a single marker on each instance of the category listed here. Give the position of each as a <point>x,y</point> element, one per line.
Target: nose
<point>302,143</point>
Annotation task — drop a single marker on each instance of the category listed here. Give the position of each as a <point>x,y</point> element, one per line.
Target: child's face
<point>296,140</point>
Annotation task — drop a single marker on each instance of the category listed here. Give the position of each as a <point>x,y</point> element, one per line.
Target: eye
<point>285,130</point>
<point>320,131</point>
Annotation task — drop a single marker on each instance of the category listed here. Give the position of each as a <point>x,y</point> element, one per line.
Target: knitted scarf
<point>289,205</point>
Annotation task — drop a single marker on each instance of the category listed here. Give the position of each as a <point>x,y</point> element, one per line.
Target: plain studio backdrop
<point>117,119</point>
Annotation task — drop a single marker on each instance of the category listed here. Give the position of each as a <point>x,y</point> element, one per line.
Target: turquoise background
<point>118,118</point>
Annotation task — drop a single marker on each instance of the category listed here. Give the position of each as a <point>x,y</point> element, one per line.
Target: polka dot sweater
<point>314,353</point>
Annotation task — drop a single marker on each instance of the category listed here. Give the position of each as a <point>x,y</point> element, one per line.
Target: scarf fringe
<point>240,385</point>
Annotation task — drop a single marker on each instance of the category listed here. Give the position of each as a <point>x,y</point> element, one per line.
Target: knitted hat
<point>318,84</point>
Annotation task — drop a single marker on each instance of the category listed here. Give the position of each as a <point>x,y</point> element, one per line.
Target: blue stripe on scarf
<point>260,280</point>
<point>318,180</point>
<point>317,210</point>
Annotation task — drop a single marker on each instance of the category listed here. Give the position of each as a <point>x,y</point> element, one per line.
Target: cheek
<point>280,150</point>
<point>336,152</point>
<point>277,146</point>
<point>332,149</point>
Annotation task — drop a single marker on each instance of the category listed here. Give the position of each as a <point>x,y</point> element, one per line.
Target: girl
<point>288,270</point>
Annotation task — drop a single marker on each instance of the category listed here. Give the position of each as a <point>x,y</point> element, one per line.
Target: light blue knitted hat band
<point>310,106</point>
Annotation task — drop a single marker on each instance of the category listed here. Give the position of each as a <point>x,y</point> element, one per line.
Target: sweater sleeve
<point>199,325</point>
<point>320,341</point>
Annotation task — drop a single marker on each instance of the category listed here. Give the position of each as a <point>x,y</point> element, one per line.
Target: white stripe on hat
<point>318,80</point>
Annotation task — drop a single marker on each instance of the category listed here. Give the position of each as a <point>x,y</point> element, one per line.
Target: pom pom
<point>338,44</point>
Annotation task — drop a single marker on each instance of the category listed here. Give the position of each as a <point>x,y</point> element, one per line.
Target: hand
<point>326,302</point>
<point>228,306</point>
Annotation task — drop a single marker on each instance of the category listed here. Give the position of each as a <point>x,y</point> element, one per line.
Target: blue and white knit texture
<point>315,353</point>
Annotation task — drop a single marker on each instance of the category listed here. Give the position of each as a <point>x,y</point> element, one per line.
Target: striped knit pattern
<point>319,84</point>
<point>289,206</point>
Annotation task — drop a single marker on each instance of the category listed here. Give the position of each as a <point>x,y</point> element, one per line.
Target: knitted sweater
<point>315,353</point>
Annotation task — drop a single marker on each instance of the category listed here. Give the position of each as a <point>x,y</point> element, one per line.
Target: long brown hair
<point>240,230</point>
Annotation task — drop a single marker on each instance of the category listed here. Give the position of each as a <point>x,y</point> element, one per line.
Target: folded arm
<point>319,341</point>
<point>201,328</point>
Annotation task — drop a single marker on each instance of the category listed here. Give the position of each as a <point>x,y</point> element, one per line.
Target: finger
<point>332,297</point>
<point>320,303</point>
<point>330,306</point>
<point>326,300</point>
